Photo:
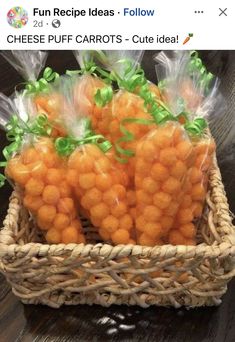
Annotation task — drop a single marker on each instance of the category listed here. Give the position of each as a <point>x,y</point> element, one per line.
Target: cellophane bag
<point>48,101</point>
<point>191,94</point>
<point>163,158</point>
<point>7,107</point>
<point>35,169</point>
<point>88,84</point>
<point>28,63</point>
<point>98,182</point>
<point>125,119</point>
<point>36,97</point>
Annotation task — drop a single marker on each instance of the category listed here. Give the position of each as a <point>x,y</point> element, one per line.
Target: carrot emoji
<point>190,35</point>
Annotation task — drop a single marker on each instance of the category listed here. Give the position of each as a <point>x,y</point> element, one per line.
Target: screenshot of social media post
<point>117,164</point>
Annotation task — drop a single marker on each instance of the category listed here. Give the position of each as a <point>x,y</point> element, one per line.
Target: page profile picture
<point>17,17</point>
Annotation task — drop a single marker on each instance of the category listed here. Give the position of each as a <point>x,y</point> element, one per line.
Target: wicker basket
<point>98,273</point>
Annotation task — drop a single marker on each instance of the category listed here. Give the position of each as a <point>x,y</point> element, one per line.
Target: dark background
<point>95,323</point>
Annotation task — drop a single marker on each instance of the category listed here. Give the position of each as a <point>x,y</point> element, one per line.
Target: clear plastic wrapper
<point>28,63</point>
<point>99,184</point>
<point>111,60</point>
<point>122,67</point>
<point>81,90</point>
<point>187,86</point>
<point>192,95</point>
<point>126,111</point>
<point>125,65</point>
<point>40,175</point>
<point>37,97</point>
<point>35,169</point>
<point>163,158</point>
<point>85,90</point>
<point>100,189</point>
<point>49,104</point>
<point>7,108</point>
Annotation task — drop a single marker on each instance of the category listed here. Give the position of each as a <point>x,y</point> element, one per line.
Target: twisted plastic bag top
<point>187,86</point>
<point>111,60</point>
<point>68,115</point>
<point>27,63</point>
<point>7,107</point>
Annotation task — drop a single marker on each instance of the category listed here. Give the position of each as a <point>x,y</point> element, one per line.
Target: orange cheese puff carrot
<point>161,167</point>
<point>46,193</point>
<point>100,189</point>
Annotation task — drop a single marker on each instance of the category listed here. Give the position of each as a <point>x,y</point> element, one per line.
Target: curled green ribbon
<point>103,96</point>
<point>196,127</point>
<point>196,65</point>
<point>41,126</point>
<point>90,67</point>
<point>128,137</point>
<point>66,145</point>
<point>15,131</point>
<point>132,78</point>
<point>159,111</point>
<point>42,84</point>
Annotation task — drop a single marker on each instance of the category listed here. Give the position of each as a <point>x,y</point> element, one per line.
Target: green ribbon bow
<point>43,83</point>
<point>128,137</point>
<point>17,129</point>
<point>196,127</point>
<point>103,96</point>
<point>90,67</point>
<point>66,145</point>
<point>132,78</point>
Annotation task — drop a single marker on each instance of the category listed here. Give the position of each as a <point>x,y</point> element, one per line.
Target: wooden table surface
<point>28,323</point>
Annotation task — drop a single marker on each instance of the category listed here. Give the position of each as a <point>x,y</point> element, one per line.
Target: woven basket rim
<point>223,248</point>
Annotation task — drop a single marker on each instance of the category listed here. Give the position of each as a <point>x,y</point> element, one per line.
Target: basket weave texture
<point>98,273</point>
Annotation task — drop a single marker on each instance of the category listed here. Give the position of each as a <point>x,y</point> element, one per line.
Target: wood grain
<point>95,323</point>
<point>117,323</point>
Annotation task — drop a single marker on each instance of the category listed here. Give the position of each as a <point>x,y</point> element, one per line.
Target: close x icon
<point>223,12</point>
